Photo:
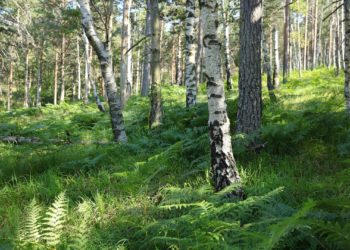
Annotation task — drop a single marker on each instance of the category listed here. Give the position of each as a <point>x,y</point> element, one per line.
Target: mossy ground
<point>154,191</point>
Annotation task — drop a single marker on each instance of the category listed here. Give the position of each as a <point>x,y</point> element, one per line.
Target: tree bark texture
<point>223,165</point>
<point>226,44</point>
<point>146,75</point>
<point>347,55</point>
<point>250,100</point>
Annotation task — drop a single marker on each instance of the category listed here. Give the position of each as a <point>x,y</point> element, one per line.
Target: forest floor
<point>154,191</point>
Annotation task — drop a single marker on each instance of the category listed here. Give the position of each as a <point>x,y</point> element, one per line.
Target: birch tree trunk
<point>337,47</point>
<point>276,62</point>
<point>299,43</point>
<point>40,79</point>
<point>226,45</point>
<point>173,64</point>
<point>347,55</point>
<point>156,113</point>
<point>125,62</point>
<point>63,53</point>
<point>306,35</point>
<point>223,165</point>
<point>55,91</point>
<point>314,57</point>
<point>179,60</point>
<point>146,75</point>
<point>286,53</point>
<point>250,100</point>
<point>78,69</point>
<point>190,52</point>
<point>26,87</point>
<point>87,68</point>
<point>105,58</point>
<point>199,54</point>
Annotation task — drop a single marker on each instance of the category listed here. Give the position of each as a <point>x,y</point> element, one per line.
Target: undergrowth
<point>154,192</point>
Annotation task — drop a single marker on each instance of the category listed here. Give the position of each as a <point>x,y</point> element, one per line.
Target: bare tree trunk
<point>314,56</point>
<point>125,70</point>
<point>55,80</point>
<point>179,60</point>
<point>146,73</point>
<point>267,68</point>
<point>173,63</point>
<point>105,58</point>
<point>63,53</point>
<point>306,35</point>
<point>223,165</point>
<point>78,68</point>
<point>347,55</point>
<point>94,89</point>
<point>300,66</point>
<point>138,78</point>
<point>10,85</point>
<point>199,54</point>
<point>286,41</point>
<point>87,68</point>
<point>26,88</point>
<point>276,62</point>
<point>337,47</point>
<point>190,52</point>
<point>330,48</point>
<point>226,44</point>
<point>156,113</point>
<point>40,78</point>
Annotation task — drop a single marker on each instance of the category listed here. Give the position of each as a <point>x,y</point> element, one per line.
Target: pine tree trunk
<point>156,113</point>
<point>286,51</point>
<point>146,72</point>
<point>347,55</point>
<point>223,165</point>
<point>306,35</point>
<point>106,63</point>
<point>250,100</point>
<point>78,69</point>
<point>125,70</point>
<point>63,53</point>
<point>26,87</point>
<point>190,52</point>
<point>276,62</point>
<point>55,80</point>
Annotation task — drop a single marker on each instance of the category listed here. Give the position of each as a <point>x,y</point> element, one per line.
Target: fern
<point>54,220</point>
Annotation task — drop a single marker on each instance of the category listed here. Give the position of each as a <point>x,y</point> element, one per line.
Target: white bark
<point>190,51</point>
<point>78,69</point>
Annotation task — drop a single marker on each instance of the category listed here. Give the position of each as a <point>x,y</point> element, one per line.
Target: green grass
<point>154,192</point>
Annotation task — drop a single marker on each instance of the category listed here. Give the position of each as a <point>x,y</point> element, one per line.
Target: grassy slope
<point>154,191</point>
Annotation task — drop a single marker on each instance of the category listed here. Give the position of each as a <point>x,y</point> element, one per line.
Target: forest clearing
<point>174,124</point>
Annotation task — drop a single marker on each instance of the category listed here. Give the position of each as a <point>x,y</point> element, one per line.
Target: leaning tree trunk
<point>63,53</point>
<point>347,55</point>
<point>249,100</point>
<point>190,52</point>
<point>223,165</point>
<point>146,75</point>
<point>286,41</point>
<point>26,87</point>
<point>125,71</point>
<point>267,68</point>
<point>276,61</point>
<point>226,45</point>
<point>156,113</point>
<point>105,58</point>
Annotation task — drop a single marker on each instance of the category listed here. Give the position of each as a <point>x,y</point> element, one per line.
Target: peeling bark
<point>223,165</point>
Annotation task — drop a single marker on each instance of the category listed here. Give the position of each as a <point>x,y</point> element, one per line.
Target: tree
<point>147,53</point>
<point>104,56</point>
<point>286,41</point>
<point>347,55</point>
<point>249,100</point>
<point>226,44</point>
<point>276,62</point>
<point>190,52</point>
<point>156,113</point>
<point>223,165</point>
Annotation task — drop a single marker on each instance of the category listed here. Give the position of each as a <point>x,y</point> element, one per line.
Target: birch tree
<point>190,52</point>
<point>106,64</point>
<point>347,55</point>
<point>223,165</point>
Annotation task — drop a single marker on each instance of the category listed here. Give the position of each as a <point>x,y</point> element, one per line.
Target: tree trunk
<point>276,62</point>
<point>156,113</point>
<point>223,165</point>
<point>249,100</point>
<point>330,48</point>
<point>63,53</point>
<point>55,80</point>
<point>337,47</point>
<point>40,78</point>
<point>267,68</point>
<point>10,85</point>
<point>314,57</point>
<point>306,35</point>
<point>26,87</point>
<point>78,68</point>
<point>286,41</point>
<point>87,68</point>
<point>137,82</point>
<point>226,44</point>
<point>299,43</point>
<point>105,58</point>
<point>347,55</point>
<point>146,72</point>
<point>125,62</point>
<point>190,52</point>
<point>173,63</point>
<point>179,60</point>
<point>199,54</point>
